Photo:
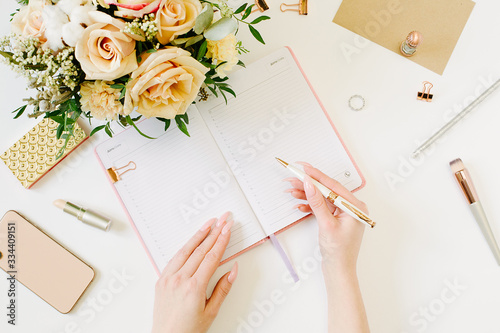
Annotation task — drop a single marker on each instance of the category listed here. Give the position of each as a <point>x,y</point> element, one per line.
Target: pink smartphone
<point>41,264</point>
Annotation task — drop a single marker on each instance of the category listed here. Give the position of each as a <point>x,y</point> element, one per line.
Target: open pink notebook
<point>228,162</point>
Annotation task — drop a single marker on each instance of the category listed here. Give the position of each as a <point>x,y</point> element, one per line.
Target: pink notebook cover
<point>266,238</point>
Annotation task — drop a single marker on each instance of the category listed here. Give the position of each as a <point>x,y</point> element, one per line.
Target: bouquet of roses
<point>105,59</point>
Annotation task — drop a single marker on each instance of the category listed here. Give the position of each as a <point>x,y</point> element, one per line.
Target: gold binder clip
<point>302,7</point>
<point>260,5</point>
<point>115,176</point>
<point>425,95</point>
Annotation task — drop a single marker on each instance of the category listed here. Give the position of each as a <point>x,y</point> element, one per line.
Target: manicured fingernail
<point>234,273</point>
<point>227,227</point>
<point>309,187</point>
<point>207,225</point>
<point>297,206</point>
<point>289,179</point>
<point>289,190</point>
<point>304,164</point>
<point>222,219</point>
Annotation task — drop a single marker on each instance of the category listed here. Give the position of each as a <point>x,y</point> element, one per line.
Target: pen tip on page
<point>282,162</point>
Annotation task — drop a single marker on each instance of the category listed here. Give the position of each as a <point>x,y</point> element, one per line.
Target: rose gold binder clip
<point>115,176</point>
<point>425,95</point>
<point>302,7</point>
<point>260,5</point>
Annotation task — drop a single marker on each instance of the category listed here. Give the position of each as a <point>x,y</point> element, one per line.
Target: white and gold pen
<point>333,197</point>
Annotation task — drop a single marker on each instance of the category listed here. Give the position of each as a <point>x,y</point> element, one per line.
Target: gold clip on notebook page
<point>30,158</point>
<point>388,22</point>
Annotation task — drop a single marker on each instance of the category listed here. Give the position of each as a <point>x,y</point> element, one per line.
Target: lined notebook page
<point>179,183</point>
<point>275,114</point>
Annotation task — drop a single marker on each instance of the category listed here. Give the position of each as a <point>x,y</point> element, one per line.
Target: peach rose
<point>29,22</point>
<point>104,51</point>
<point>165,84</point>
<point>132,8</point>
<point>176,17</point>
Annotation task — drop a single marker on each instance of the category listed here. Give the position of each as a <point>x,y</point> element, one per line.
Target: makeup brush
<point>465,182</point>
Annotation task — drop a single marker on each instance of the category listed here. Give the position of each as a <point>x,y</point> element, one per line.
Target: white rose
<point>29,21</point>
<point>165,84</point>
<point>104,51</point>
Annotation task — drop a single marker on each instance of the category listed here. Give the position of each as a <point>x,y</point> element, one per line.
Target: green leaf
<point>122,94</point>
<point>151,51</point>
<point>229,90</point>
<point>240,8</point>
<point>108,131</point>
<point>181,125</point>
<point>166,121</point>
<point>247,13</point>
<point>218,79</point>
<point>59,131</point>
<point>180,41</point>
<point>20,111</point>
<point>185,117</point>
<point>241,63</point>
<point>213,91</point>
<point>131,122</point>
<point>97,129</point>
<point>202,51</point>
<point>204,19</point>
<point>260,19</point>
<point>223,95</point>
<point>58,119</point>
<point>117,86</point>
<point>221,29</point>
<point>63,120</point>
<point>194,40</point>
<point>220,64</point>
<point>256,34</point>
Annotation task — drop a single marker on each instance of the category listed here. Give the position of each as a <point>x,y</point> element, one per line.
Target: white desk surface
<point>424,268</point>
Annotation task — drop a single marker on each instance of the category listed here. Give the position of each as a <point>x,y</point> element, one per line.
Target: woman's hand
<point>340,238</point>
<point>340,235</point>
<point>181,304</point>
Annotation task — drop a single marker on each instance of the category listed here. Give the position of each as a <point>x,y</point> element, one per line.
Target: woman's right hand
<point>340,238</point>
<point>340,235</point>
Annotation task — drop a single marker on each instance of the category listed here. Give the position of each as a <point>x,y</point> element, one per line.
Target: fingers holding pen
<point>333,185</point>
<point>298,192</point>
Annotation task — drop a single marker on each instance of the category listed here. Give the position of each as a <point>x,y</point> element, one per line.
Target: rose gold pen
<point>333,197</point>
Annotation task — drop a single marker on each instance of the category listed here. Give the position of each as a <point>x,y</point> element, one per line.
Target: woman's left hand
<point>181,304</point>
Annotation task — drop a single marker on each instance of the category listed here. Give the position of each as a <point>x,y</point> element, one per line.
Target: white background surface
<point>425,234</point>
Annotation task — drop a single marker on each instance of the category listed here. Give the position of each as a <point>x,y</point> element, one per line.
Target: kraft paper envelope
<point>388,22</point>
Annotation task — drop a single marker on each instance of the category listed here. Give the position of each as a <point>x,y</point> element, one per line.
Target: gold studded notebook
<point>35,153</point>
